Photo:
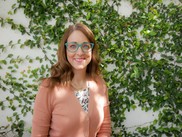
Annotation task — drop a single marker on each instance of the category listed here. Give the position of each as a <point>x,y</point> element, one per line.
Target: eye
<point>86,46</point>
<point>72,46</point>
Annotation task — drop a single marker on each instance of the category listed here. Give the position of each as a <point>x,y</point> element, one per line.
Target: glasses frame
<point>79,46</point>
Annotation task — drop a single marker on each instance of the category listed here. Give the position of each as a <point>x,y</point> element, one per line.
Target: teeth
<point>79,59</point>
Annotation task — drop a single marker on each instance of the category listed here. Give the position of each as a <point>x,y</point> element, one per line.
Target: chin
<point>80,68</point>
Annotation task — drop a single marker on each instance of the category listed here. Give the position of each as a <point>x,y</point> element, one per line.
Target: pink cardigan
<point>58,113</point>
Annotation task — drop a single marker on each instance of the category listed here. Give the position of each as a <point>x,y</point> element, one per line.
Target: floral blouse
<point>83,97</point>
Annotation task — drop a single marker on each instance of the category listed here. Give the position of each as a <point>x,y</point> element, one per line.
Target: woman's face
<point>78,59</point>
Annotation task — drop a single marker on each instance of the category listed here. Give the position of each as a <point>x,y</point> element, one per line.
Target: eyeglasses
<point>85,46</point>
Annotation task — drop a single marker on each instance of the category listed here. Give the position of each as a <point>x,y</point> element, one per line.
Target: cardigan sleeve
<point>42,113</point>
<point>105,129</point>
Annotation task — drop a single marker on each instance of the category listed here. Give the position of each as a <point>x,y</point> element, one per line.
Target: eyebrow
<point>79,43</point>
<point>72,42</point>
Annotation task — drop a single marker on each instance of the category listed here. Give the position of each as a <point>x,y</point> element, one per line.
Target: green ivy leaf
<point>9,119</point>
<point>3,62</point>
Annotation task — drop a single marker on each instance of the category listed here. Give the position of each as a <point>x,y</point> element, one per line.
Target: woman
<point>73,102</point>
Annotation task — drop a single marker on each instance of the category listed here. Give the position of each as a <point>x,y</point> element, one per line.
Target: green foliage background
<point>144,48</point>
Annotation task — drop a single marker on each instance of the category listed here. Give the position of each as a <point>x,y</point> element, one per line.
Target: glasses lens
<point>72,47</point>
<point>86,47</point>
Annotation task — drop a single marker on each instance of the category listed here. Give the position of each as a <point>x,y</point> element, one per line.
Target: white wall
<point>133,118</point>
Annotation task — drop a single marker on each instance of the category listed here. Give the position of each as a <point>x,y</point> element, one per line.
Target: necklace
<point>78,88</point>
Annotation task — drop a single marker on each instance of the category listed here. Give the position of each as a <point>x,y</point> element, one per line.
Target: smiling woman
<point>74,100</point>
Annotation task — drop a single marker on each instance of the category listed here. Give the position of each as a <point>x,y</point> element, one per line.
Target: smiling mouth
<point>79,59</point>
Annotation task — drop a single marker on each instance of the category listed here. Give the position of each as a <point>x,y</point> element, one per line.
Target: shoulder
<point>99,83</point>
<point>47,88</point>
<point>45,82</point>
<point>47,92</point>
<point>53,88</point>
<point>49,83</point>
<point>99,87</point>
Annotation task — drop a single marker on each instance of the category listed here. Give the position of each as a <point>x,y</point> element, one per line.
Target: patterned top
<point>83,97</point>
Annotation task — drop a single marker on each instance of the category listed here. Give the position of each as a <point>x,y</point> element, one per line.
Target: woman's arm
<point>42,113</point>
<point>105,129</point>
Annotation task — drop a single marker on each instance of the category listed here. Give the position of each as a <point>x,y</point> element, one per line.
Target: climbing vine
<point>144,50</point>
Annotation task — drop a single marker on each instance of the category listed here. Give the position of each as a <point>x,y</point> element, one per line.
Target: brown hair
<point>61,72</point>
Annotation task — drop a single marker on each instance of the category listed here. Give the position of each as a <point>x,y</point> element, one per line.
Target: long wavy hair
<point>61,72</point>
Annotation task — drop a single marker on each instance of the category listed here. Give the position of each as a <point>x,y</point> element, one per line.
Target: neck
<point>79,80</point>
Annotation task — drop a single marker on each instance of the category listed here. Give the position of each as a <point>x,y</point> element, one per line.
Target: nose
<point>79,51</point>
